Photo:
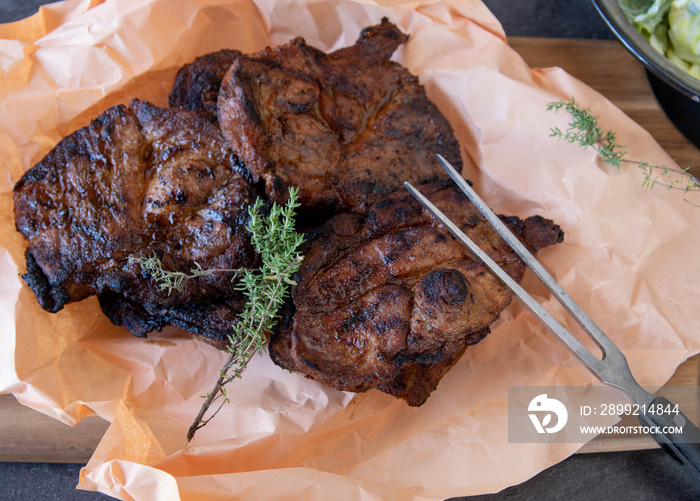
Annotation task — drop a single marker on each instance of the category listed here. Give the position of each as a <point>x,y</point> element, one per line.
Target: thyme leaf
<point>175,280</point>
<point>584,130</point>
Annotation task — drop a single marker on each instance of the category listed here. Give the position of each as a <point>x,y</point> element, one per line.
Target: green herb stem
<point>277,243</point>
<point>175,280</point>
<point>584,130</point>
<point>266,288</point>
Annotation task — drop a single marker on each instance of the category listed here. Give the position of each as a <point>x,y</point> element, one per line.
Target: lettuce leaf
<point>684,30</point>
<point>646,14</point>
<point>672,28</point>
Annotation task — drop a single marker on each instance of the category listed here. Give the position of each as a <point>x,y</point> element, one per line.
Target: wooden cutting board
<point>606,66</point>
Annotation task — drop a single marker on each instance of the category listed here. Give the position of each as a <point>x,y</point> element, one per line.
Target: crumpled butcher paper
<point>629,258</point>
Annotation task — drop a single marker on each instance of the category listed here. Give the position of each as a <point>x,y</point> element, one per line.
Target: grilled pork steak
<point>143,181</point>
<point>346,128</point>
<point>197,83</point>
<point>390,300</point>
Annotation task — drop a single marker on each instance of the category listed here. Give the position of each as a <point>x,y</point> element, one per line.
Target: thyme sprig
<point>277,243</point>
<point>175,280</point>
<point>584,130</point>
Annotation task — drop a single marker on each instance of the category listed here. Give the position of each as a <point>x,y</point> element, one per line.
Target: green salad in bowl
<point>671,26</point>
<point>664,35</point>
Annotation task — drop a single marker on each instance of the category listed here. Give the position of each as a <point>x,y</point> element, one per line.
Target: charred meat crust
<point>197,84</point>
<point>137,181</point>
<point>390,300</point>
<point>346,128</point>
<point>210,322</point>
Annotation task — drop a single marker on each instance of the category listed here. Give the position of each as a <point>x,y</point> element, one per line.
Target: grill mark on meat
<point>139,180</point>
<point>346,128</point>
<point>446,285</point>
<point>363,273</point>
<point>347,330</point>
<point>209,322</point>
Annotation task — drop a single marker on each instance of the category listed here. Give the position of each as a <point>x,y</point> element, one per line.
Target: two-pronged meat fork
<point>612,369</point>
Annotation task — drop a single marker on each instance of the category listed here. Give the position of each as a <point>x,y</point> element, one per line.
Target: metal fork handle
<point>684,445</point>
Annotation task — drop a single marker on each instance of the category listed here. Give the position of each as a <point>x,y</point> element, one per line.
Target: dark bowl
<point>677,92</point>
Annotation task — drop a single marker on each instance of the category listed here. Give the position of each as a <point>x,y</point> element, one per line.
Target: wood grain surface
<point>606,66</point>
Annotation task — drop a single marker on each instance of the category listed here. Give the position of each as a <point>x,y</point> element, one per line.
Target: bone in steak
<point>346,128</point>
<point>140,180</point>
<point>390,300</point>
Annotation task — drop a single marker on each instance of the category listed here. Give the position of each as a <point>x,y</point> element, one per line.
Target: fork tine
<point>613,368</point>
<point>573,344</point>
<point>598,336</point>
